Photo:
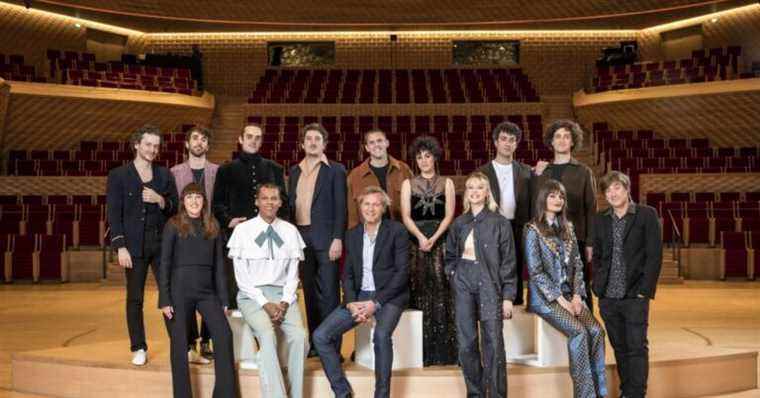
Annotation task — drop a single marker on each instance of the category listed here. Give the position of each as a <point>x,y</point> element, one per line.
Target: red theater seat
<point>734,259</point>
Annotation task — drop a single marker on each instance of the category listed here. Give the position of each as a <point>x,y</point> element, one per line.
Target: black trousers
<point>626,321</point>
<point>586,275</point>
<point>519,262</point>
<point>477,301</point>
<point>193,290</point>
<point>149,258</point>
<point>192,332</point>
<point>321,286</point>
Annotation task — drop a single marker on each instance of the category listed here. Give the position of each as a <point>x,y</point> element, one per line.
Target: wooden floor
<point>723,315</point>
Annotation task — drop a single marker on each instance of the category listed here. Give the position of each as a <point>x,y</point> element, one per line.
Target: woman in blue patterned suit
<point>557,289</point>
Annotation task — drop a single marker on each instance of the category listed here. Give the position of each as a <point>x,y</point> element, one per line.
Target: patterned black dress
<point>430,291</point>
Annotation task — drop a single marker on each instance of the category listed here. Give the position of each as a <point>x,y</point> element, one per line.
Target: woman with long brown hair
<point>557,289</point>
<point>192,278</point>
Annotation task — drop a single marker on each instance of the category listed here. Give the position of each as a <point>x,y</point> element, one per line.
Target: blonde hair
<point>490,201</point>
<point>371,190</point>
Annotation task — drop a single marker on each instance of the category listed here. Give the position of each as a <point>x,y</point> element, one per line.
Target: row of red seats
<point>740,257</point>
<point>12,67</point>
<point>479,125</point>
<point>34,257</point>
<point>84,224</point>
<point>717,64</point>
<point>73,68</point>
<point>73,168</point>
<point>701,222</point>
<point>393,86</point>
<point>742,163</point>
<point>713,56</point>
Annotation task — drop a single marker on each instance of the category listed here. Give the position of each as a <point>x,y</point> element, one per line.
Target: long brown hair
<point>539,218</point>
<point>182,220</point>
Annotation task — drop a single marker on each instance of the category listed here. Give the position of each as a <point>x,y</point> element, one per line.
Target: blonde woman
<point>480,264</point>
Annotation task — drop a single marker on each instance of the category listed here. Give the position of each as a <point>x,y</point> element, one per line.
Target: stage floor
<point>690,321</point>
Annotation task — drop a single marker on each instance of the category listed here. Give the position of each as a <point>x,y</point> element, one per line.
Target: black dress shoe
<point>312,353</point>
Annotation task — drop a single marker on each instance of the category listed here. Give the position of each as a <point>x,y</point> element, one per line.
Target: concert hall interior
<point>287,96</point>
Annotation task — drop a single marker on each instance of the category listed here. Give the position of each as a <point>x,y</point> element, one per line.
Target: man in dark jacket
<point>140,198</point>
<point>510,182</point>
<point>237,183</point>
<point>564,137</point>
<point>375,285</point>
<point>317,189</point>
<point>627,260</point>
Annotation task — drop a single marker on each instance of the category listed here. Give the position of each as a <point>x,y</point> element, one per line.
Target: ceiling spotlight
<point>714,19</point>
<point>78,25</point>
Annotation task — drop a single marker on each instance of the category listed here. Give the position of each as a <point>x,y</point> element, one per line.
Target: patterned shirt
<point>616,283</point>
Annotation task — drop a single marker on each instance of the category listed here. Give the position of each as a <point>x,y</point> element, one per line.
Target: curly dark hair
<point>202,130</point>
<point>574,128</point>
<point>506,127</point>
<point>426,143</point>
<point>138,134</point>
<point>312,126</point>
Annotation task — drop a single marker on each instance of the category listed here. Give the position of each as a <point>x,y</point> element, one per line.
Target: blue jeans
<point>328,335</point>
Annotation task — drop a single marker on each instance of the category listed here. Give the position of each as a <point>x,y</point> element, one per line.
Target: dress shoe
<point>194,357</point>
<point>206,350</point>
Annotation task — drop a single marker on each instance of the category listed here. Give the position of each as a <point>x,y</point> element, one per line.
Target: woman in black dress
<point>427,209</point>
<point>192,278</point>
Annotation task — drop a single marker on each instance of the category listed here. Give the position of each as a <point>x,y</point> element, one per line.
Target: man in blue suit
<point>375,285</point>
<point>317,189</point>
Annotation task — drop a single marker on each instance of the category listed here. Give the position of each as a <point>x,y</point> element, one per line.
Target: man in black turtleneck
<point>237,184</point>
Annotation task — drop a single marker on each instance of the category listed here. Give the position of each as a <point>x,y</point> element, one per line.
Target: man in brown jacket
<point>564,137</point>
<point>380,169</point>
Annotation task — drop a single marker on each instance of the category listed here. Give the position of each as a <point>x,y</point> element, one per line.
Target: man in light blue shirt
<point>375,285</point>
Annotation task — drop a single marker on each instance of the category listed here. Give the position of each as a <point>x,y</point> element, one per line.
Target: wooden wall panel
<point>31,32</point>
<point>532,108</point>
<point>52,185</point>
<point>726,112</point>
<point>726,182</point>
<point>47,116</point>
<point>203,15</point>
<point>735,27</point>
<point>5,93</point>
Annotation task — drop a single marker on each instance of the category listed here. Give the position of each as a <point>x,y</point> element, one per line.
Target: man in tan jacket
<point>380,169</point>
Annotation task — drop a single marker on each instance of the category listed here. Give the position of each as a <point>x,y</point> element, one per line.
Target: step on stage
<point>103,370</point>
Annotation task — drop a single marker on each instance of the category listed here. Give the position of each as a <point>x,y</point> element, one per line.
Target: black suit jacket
<point>125,207</point>
<point>236,187</point>
<point>390,264</point>
<point>328,205</point>
<point>642,251</point>
<point>523,190</point>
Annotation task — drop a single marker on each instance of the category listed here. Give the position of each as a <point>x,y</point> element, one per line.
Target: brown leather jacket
<point>361,177</point>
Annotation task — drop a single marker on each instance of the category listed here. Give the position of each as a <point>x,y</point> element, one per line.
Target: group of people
<point>235,236</point>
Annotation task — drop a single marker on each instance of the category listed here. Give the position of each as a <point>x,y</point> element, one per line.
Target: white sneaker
<point>249,364</point>
<point>195,357</point>
<point>139,357</point>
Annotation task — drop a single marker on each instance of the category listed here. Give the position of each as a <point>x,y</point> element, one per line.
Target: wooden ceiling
<point>290,15</point>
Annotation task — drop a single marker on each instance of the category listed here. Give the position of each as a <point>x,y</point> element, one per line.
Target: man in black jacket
<point>140,197</point>
<point>510,182</point>
<point>317,189</point>
<point>375,285</point>
<point>627,258</point>
<point>236,185</point>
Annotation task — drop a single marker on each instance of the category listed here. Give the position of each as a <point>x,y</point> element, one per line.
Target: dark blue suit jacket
<point>125,207</point>
<point>390,264</point>
<point>328,206</point>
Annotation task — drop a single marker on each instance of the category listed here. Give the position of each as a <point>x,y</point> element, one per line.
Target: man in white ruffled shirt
<point>265,251</point>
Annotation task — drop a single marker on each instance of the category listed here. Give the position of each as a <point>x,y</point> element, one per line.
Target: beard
<point>198,152</point>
